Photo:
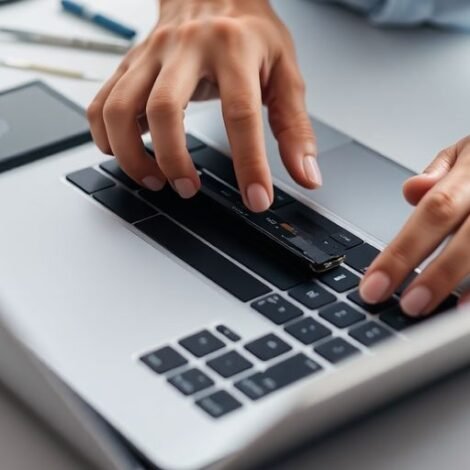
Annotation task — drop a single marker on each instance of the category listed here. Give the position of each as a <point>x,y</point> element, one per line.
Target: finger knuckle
<point>94,111</point>
<point>399,255</point>
<point>240,109</point>
<point>161,36</point>
<point>189,30</point>
<point>227,30</point>
<point>164,103</point>
<point>115,109</point>
<point>441,207</point>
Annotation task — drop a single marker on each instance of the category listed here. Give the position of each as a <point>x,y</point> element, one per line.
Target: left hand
<point>442,197</point>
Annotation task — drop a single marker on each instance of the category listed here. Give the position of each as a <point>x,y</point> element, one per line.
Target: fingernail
<point>258,198</point>
<point>414,303</point>
<point>153,183</point>
<point>375,287</point>
<point>185,187</point>
<point>312,170</point>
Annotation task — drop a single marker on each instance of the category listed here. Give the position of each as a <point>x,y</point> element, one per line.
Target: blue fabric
<point>445,13</point>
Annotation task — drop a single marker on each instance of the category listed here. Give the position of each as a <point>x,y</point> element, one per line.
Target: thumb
<point>417,186</point>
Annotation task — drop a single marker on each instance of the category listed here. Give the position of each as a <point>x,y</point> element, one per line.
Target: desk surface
<point>405,94</point>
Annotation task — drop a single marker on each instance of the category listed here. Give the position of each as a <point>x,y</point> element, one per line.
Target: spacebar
<point>203,258</point>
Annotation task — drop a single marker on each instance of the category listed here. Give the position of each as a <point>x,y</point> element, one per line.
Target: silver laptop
<point>193,336</point>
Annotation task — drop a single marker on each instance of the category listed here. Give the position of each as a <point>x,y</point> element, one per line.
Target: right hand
<point>238,49</point>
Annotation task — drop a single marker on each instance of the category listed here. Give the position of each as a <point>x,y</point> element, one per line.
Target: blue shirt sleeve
<point>444,13</point>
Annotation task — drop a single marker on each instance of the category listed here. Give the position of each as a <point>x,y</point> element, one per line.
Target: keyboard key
<point>202,343</point>
<point>406,283</point>
<point>217,163</point>
<point>361,257</point>
<point>112,168</point>
<point>277,309</point>
<point>376,308</point>
<point>163,360</point>
<point>336,350</point>
<point>191,381</point>
<point>219,404</point>
<point>124,204</point>
<point>229,364</point>
<point>281,199</point>
<point>448,304</point>
<point>340,279</point>
<point>312,295</point>
<point>397,320</point>
<point>89,180</point>
<point>193,144</point>
<point>348,240</point>
<point>203,258</point>
<point>228,333</point>
<point>278,376</point>
<point>341,315</point>
<point>307,330</point>
<point>370,333</point>
<point>268,347</point>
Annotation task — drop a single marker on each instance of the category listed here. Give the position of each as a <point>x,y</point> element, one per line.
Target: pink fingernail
<point>312,170</point>
<point>414,303</point>
<point>375,287</point>
<point>153,183</point>
<point>258,198</point>
<point>185,187</point>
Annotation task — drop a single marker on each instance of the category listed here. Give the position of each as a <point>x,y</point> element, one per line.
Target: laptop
<point>193,335</point>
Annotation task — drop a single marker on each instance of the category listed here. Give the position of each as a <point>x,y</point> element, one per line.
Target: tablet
<point>36,122</point>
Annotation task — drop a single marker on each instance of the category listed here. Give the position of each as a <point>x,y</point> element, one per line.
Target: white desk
<point>404,93</point>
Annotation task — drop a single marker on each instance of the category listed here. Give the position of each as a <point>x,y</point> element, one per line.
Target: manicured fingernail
<point>375,287</point>
<point>153,183</point>
<point>258,199</point>
<point>414,303</point>
<point>312,170</point>
<point>185,187</point>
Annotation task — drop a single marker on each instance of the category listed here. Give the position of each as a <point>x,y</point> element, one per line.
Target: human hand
<point>442,197</point>
<point>202,48</point>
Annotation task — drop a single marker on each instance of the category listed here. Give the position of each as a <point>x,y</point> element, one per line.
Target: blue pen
<point>104,21</point>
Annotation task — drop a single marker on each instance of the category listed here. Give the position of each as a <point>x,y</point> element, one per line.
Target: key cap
<point>341,315</point>
<point>229,364</point>
<point>361,257</point>
<point>163,360</point>
<point>228,333</point>
<point>192,143</point>
<point>124,204</point>
<point>348,240</point>
<point>406,283</point>
<point>277,309</point>
<point>397,320</point>
<point>217,163</point>
<point>340,279</point>
<point>370,333</point>
<point>312,295</point>
<point>307,330</point>
<point>232,237</point>
<point>376,308</point>
<point>112,168</point>
<point>281,199</point>
<point>278,376</point>
<point>89,180</point>
<point>191,381</point>
<point>219,404</point>
<point>203,258</point>
<point>268,347</point>
<point>336,350</point>
<point>202,343</point>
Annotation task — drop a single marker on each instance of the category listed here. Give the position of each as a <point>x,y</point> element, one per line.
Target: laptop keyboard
<point>323,316</point>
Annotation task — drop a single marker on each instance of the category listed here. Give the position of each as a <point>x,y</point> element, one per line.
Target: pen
<point>97,18</point>
<point>65,41</point>
<point>58,71</point>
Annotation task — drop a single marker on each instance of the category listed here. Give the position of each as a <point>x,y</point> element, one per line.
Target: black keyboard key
<point>228,333</point>
<point>348,240</point>
<point>341,315</point>
<point>278,376</point>
<point>312,295</point>
<point>229,364</point>
<point>203,258</point>
<point>234,238</point>
<point>361,257</point>
<point>112,168</point>
<point>370,333</point>
<point>281,199</point>
<point>307,330</point>
<point>193,144</point>
<point>397,320</point>
<point>191,381</point>
<point>340,279</point>
<point>372,308</point>
<point>90,180</point>
<point>217,163</point>
<point>268,347</point>
<point>336,350</point>
<point>124,204</point>
<point>218,404</point>
<point>202,343</point>
<point>163,360</point>
<point>277,309</point>
<point>448,304</point>
<point>407,282</point>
